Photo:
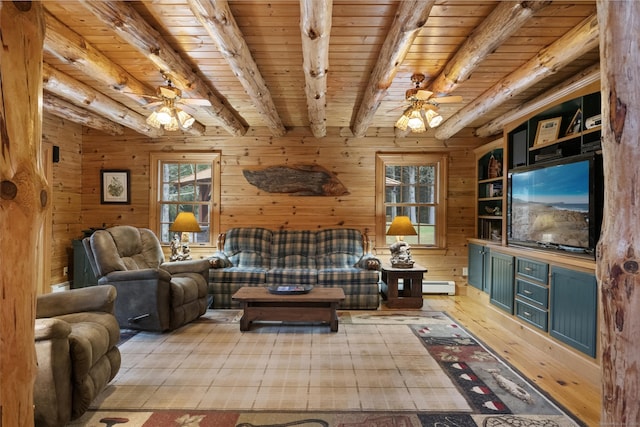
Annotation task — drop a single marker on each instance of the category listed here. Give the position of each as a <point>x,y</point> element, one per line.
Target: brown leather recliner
<point>76,338</point>
<point>153,295</point>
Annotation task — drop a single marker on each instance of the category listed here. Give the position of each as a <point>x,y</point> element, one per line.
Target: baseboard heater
<point>439,287</point>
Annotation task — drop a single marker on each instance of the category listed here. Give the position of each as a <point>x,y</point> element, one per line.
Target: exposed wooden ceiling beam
<point>578,41</point>
<point>217,19</point>
<point>68,111</point>
<point>125,21</point>
<point>71,48</point>
<point>410,17</point>
<point>580,80</point>
<point>315,27</point>
<point>501,24</point>
<point>70,89</point>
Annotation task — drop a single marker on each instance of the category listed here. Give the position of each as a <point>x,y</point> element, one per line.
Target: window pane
<point>412,190</point>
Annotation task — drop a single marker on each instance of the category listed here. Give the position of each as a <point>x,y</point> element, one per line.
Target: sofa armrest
<point>51,328</point>
<point>219,260</point>
<point>92,298</point>
<point>369,262</point>
<point>188,266</point>
<point>137,275</point>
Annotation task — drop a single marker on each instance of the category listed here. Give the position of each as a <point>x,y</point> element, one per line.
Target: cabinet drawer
<point>534,270</point>
<point>532,292</point>
<point>532,315</point>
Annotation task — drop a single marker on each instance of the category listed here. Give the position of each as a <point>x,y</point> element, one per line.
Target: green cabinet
<point>82,273</point>
<point>479,267</point>
<point>532,292</point>
<point>574,309</point>
<point>502,281</point>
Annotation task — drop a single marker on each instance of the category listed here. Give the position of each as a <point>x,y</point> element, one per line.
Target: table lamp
<point>185,223</point>
<point>400,250</point>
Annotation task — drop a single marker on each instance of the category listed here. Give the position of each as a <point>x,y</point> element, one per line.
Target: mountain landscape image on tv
<point>550,206</point>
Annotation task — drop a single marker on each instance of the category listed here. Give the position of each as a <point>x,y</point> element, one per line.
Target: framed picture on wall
<point>115,186</point>
<point>547,130</point>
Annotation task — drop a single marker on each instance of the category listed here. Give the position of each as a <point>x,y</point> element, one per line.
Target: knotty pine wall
<point>351,159</point>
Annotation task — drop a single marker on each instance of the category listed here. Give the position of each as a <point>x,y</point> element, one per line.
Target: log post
<point>618,253</point>
<point>23,198</point>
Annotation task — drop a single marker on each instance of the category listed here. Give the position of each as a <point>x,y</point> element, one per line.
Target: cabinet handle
<point>528,269</point>
<point>527,291</point>
<point>526,314</point>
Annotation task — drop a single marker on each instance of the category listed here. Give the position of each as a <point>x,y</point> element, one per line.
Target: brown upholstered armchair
<point>76,337</point>
<point>153,295</point>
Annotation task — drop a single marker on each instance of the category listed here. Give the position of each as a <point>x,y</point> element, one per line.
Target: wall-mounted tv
<point>557,205</point>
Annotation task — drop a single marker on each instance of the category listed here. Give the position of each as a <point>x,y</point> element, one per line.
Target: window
<point>413,185</point>
<point>185,182</point>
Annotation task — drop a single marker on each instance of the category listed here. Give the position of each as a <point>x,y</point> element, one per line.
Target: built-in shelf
<point>566,138</point>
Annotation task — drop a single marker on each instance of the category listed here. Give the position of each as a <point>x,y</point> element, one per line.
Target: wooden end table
<point>411,294</point>
<point>318,305</point>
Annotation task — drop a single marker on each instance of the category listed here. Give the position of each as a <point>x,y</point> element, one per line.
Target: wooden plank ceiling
<point>262,63</point>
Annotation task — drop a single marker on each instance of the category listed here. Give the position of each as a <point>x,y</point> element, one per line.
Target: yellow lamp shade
<point>185,222</point>
<point>401,226</point>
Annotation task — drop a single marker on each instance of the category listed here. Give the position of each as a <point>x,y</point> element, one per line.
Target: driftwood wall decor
<point>299,180</point>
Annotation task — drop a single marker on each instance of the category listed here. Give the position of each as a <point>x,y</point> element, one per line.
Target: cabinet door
<point>574,309</point>
<point>502,281</point>
<point>476,266</point>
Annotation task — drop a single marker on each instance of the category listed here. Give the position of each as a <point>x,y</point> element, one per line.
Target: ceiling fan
<point>169,116</point>
<point>423,110</point>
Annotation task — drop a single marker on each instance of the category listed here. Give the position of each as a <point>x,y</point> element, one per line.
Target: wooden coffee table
<point>318,305</point>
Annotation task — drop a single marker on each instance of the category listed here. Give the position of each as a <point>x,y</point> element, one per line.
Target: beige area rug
<point>473,387</point>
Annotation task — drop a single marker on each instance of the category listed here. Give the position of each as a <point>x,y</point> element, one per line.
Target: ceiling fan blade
<point>195,101</point>
<point>423,95</point>
<point>153,104</point>
<point>447,99</point>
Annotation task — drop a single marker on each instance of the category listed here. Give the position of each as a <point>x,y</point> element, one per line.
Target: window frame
<point>383,160</point>
<point>156,161</point>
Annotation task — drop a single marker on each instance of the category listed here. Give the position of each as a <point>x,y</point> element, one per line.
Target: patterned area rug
<point>497,394</point>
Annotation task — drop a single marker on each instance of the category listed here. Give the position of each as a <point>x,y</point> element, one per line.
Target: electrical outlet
<point>65,271</point>
<point>465,271</point>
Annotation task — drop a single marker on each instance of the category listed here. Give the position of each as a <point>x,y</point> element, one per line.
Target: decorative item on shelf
<point>494,167</point>
<point>184,224</point>
<point>575,125</point>
<point>495,210</point>
<point>548,130</point>
<point>400,250</point>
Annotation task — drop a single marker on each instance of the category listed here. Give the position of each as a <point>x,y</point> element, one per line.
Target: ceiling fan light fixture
<point>164,115</point>
<point>170,119</point>
<point>433,118</point>
<point>415,122</point>
<point>403,121</point>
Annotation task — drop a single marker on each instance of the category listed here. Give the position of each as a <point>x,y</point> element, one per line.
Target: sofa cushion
<point>293,249</point>
<point>249,247</point>
<point>292,276</point>
<point>347,276</point>
<point>339,247</point>
<point>246,275</point>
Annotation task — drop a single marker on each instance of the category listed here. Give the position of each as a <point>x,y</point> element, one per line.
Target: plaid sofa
<point>256,256</point>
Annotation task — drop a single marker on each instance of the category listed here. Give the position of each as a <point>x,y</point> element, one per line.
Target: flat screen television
<point>557,205</point>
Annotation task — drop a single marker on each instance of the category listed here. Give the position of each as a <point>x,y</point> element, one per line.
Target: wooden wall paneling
<point>242,204</point>
<point>66,183</point>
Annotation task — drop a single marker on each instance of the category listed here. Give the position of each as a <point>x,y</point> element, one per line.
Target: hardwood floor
<point>536,356</point>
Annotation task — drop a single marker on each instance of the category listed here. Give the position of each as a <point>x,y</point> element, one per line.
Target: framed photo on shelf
<point>575,125</point>
<point>115,187</point>
<point>547,130</point>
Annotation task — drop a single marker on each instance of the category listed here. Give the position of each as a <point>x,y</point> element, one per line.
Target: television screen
<point>550,206</point>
